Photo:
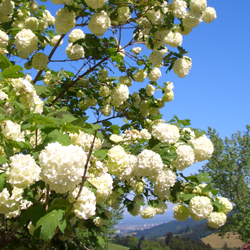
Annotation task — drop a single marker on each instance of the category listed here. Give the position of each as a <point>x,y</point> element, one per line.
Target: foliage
<point>229,169</point>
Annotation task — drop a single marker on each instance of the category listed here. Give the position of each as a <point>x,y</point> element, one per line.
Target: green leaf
<point>40,89</point>
<point>203,177</point>
<point>186,197</point>
<point>80,121</point>
<point>208,188</point>
<point>217,206</point>
<point>2,181</point>
<point>56,136</point>
<point>50,222</point>
<point>192,178</point>
<point>100,241</point>
<point>115,129</point>
<point>60,204</point>
<point>1,77</point>
<point>4,62</point>
<point>33,213</point>
<point>14,71</point>
<point>214,192</point>
<point>100,154</point>
<point>3,160</point>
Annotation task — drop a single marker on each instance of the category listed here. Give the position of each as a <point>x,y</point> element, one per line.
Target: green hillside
<point>117,247</point>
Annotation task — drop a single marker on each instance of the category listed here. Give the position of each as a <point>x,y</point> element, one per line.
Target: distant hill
<point>172,226</point>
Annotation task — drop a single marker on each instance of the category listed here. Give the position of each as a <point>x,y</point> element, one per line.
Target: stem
<point>47,198</point>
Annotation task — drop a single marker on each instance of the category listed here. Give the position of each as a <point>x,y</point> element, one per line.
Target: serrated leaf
<point>60,204</point>
<point>186,197</point>
<point>100,241</point>
<point>207,188</point>
<point>41,89</point>
<point>2,181</point>
<point>203,177</point>
<point>192,178</point>
<point>33,213</point>
<point>80,121</point>
<point>56,136</point>
<point>4,62</point>
<point>100,154</point>
<point>40,120</point>
<point>50,222</point>
<point>214,192</point>
<point>3,160</point>
<point>14,71</point>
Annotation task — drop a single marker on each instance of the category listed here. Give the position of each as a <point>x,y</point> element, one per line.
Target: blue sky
<point>216,91</point>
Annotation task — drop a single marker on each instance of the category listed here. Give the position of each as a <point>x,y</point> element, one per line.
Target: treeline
<point>170,242</point>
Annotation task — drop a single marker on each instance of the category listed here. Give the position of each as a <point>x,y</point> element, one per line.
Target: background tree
<point>229,168</point>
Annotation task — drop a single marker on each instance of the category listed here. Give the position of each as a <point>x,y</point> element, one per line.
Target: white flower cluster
<point>85,205</point>
<point>40,61</point>
<point>149,163</point>
<point>12,130</point>
<point>198,6</point>
<point>99,23</point>
<point>200,207</point>
<point>26,42</point>
<point>156,57</point>
<point>185,157</point>
<point>4,40</point>
<point>228,205</point>
<point>179,8</point>
<point>119,95</point>
<point>173,39</point>
<point>203,148</point>
<point>53,41</point>
<point>125,80</point>
<point>85,140</point>
<point>74,52</point>
<point>95,4</point>
<point>75,35</point>
<point>150,89</point>
<point>98,221</point>
<point>31,23</point>
<point>117,160</point>
<point>154,74</point>
<point>166,132</point>
<point>216,219</point>
<point>148,213</point>
<point>169,94</point>
<point>182,66</point>
<point>209,15</point>
<point>23,171</point>
<point>192,19</point>
<point>104,186</point>
<point>140,75</point>
<point>136,50</point>
<point>123,14</point>
<point>181,212</point>
<point>144,134</point>
<point>62,166</point>
<point>65,20</point>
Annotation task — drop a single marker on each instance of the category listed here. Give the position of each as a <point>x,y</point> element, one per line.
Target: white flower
<point>150,89</point>
<point>179,8</point>
<point>182,66</point>
<point>104,91</point>
<point>166,132</point>
<point>3,95</point>
<point>181,212</point>
<point>145,24</point>
<point>144,134</point>
<point>216,220</point>
<point>149,163</point>
<point>74,52</point>
<point>106,110</point>
<point>228,205</point>
<point>95,4</point>
<point>23,171</point>
<point>168,87</point>
<point>31,23</point>
<point>65,20</point>
<point>26,42</point>
<point>200,207</point>
<point>75,35</point>
<point>198,5</point>
<point>156,57</point>
<point>136,50</point>
<point>40,61</point>
<point>62,166</point>
<point>192,19</point>
<point>4,39</point>
<point>116,138</point>
<point>148,213</point>
<point>85,206</point>
<point>203,148</point>
<point>125,80</point>
<point>12,130</point>
<point>98,221</point>
<point>6,7</point>
<point>175,39</point>
<point>103,75</point>
<point>53,41</point>
<point>50,20</point>
<point>209,15</point>
<point>119,95</point>
<point>99,23</point>
<point>185,157</point>
<point>123,14</point>
<point>154,74</point>
<point>140,75</point>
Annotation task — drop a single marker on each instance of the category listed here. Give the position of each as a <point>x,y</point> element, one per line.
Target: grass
<point>216,241</point>
<point>117,247</point>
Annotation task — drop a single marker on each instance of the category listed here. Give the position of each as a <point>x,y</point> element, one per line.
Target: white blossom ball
<point>125,80</point>
<point>62,166</point>
<point>57,1</point>
<point>168,96</point>
<point>98,221</point>
<point>203,148</point>
<point>166,132</point>
<point>148,213</point>
<point>95,4</point>
<point>31,23</point>
<point>53,41</point>
<point>123,14</point>
<point>119,95</point>
<point>104,91</point>
<point>181,212</point>
<point>23,171</point>
<point>136,50</point>
<point>140,75</point>
<point>149,163</point>
<point>228,205</point>
<point>3,95</point>
<point>192,19</point>
<point>106,110</point>
<point>209,15</point>
<point>200,207</point>
<point>182,66</point>
<point>176,40</point>
<point>179,8</point>
<point>216,219</point>
<point>85,140</point>
<point>156,57</point>
<point>48,17</point>
<point>12,130</point>
<point>144,134</point>
<point>6,7</point>
<point>154,74</point>
<point>74,52</point>
<point>198,5</point>
<point>65,20</point>
<point>99,23</point>
<point>117,160</point>
<point>104,186</point>
<point>150,89</point>
<point>26,41</point>
<point>185,157</point>
<point>85,205</point>
<point>75,35</point>
<point>4,39</point>
<point>127,174</point>
<point>40,61</point>
<point>103,75</point>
